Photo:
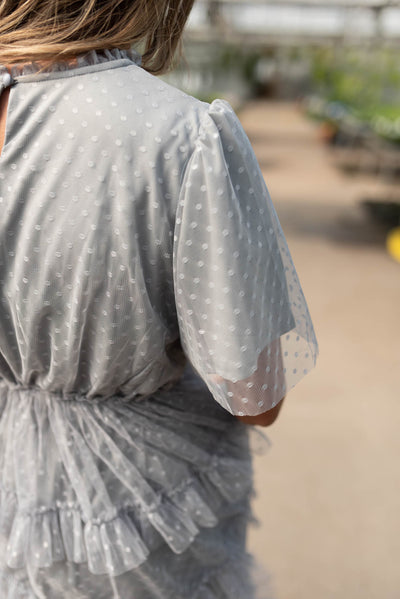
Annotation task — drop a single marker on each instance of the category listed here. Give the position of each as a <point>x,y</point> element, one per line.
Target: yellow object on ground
<point>393,243</point>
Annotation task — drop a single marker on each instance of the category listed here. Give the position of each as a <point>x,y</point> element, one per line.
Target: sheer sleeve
<point>244,322</point>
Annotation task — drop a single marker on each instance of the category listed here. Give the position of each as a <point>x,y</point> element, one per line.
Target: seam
<point>75,72</point>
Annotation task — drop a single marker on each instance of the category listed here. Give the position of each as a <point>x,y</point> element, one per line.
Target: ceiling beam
<point>378,4</point>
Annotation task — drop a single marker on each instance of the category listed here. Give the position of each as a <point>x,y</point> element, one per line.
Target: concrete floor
<point>328,491</point>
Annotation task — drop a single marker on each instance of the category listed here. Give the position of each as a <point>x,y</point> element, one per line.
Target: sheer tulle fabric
<point>134,219</point>
<point>244,321</point>
<point>114,487</point>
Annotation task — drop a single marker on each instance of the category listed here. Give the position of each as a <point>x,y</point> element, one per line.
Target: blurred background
<point>316,85</point>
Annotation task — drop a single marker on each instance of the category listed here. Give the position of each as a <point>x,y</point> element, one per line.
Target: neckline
<point>90,61</point>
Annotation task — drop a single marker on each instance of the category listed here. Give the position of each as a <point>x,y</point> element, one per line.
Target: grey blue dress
<point>136,237</point>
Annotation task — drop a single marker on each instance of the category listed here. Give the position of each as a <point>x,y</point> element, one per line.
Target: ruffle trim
<point>226,580</point>
<point>146,459</point>
<point>94,57</point>
<point>124,541</point>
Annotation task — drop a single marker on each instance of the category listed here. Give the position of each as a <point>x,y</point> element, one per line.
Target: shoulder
<point>148,103</point>
<point>175,112</point>
<point>131,99</point>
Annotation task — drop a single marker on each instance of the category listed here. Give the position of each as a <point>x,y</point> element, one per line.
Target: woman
<point>136,235</point>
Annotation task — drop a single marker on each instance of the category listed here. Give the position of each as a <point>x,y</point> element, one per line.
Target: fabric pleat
<point>104,486</point>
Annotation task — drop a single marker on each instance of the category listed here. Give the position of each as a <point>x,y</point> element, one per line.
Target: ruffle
<point>223,575</point>
<point>107,483</point>
<point>94,57</point>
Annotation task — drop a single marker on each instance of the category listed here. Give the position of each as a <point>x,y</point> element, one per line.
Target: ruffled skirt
<point>112,499</point>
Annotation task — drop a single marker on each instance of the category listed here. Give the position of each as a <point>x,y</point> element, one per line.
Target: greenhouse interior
<point>316,85</point>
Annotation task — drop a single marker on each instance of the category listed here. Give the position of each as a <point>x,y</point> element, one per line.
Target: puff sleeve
<point>244,322</point>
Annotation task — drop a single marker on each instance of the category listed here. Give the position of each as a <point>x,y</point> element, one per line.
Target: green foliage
<point>232,57</point>
<point>209,98</point>
<point>366,81</point>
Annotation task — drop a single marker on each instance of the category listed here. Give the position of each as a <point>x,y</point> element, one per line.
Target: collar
<point>95,60</point>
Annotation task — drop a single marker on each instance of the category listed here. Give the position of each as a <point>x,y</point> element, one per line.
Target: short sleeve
<point>243,319</point>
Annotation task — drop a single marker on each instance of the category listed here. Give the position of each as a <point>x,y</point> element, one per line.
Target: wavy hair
<point>47,30</point>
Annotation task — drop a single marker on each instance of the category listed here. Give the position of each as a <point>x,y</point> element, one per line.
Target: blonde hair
<point>47,30</point>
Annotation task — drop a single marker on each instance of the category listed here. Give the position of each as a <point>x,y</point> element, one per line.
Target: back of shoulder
<point>148,109</point>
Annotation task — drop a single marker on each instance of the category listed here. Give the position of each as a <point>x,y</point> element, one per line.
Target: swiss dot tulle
<point>137,234</point>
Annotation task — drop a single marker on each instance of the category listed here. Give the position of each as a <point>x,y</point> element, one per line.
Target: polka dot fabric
<point>243,318</point>
<point>136,236</point>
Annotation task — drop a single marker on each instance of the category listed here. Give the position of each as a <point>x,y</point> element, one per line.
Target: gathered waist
<point>77,396</point>
<point>82,482</point>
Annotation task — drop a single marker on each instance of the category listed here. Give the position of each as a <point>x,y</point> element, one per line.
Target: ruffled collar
<point>92,60</point>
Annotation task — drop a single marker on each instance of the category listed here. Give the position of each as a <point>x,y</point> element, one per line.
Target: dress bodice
<point>136,232</point>
<point>135,220</point>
